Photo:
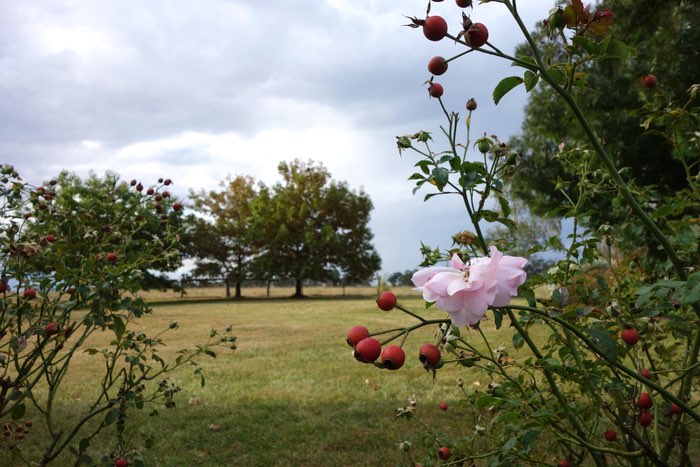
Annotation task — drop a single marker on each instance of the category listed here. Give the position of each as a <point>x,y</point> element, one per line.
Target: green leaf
<point>556,74</point>
<point>118,326</point>
<point>618,49</point>
<point>507,417</point>
<point>529,438</point>
<point>489,216</point>
<point>505,86</point>
<point>510,444</point>
<point>498,318</point>
<point>586,44</point>
<point>18,411</point>
<point>543,413</point>
<point>112,416</point>
<point>445,158</point>
<point>531,80</point>
<point>692,289</point>
<point>606,343</point>
<point>210,353</point>
<point>505,206</point>
<point>441,177</point>
<point>84,444</point>
<point>518,341</point>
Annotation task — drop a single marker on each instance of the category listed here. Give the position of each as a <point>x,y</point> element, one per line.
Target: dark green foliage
<point>667,45</point>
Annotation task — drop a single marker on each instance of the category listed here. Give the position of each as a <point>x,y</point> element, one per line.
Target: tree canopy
<point>222,242</point>
<point>305,227</point>
<point>666,44</point>
<point>68,205</point>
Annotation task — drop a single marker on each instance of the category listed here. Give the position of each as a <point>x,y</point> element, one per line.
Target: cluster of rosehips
<point>158,197</point>
<point>12,432</point>
<point>435,28</point>
<point>367,349</point>
<point>44,195</point>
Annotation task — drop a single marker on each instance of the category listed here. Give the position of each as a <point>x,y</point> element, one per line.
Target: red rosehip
<point>444,453</point>
<point>166,194</point>
<point>139,187</point>
<point>30,293</point>
<point>464,3</point>
<point>644,401</point>
<point>434,28</point>
<point>177,206</point>
<point>437,65</point>
<point>121,462</point>
<point>133,182</point>
<point>443,406</point>
<point>51,329</point>
<point>368,350</point>
<point>676,409</point>
<point>649,81</point>
<point>158,198</point>
<point>429,354</point>
<point>386,301</point>
<point>150,191</point>
<point>610,435</point>
<point>436,90</point>
<point>630,336</point>
<point>564,463</point>
<point>50,238</point>
<point>393,357</point>
<point>167,182</point>
<point>477,35</point>
<point>645,418</point>
<point>111,256</point>
<point>645,373</point>
<point>70,290</point>
<point>356,334</point>
<point>471,105</point>
<point>3,287</point>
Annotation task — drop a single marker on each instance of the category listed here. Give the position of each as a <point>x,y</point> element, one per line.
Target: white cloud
<point>197,90</point>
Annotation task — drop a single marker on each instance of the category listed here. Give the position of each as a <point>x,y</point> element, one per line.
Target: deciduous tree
<point>310,227</point>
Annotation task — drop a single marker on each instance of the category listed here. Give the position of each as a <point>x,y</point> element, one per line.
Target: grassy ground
<point>290,395</point>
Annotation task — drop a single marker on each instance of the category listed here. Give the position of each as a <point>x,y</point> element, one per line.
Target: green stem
<point>602,153</point>
<point>554,387</point>
<point>598,351</point>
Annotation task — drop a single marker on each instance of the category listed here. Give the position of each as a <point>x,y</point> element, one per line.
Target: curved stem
<point>554,387</point>
<point>598,351</point>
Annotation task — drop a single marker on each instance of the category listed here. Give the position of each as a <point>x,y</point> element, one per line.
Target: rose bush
<point>71,267</point>
<point>603,367</point>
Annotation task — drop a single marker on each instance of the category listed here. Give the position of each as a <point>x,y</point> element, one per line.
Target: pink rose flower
<point>466,291</point>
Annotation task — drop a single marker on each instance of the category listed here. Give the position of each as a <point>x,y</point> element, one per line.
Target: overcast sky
<point>196,90</point>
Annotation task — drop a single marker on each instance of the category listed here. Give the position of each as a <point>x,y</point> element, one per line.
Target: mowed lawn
<point>291,394</point>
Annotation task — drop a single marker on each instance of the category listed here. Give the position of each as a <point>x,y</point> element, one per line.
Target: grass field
<point>291,394</point>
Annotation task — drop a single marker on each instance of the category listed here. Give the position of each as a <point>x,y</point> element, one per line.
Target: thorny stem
<point>553,385</point>
<point>614,363</point>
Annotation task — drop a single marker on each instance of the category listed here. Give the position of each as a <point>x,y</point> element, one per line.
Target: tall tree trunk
<point>238,289</point>
<point>228,288</point>
<point>298,284</point>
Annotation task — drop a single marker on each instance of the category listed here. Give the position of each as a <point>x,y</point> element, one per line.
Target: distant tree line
<point>306,228</point>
